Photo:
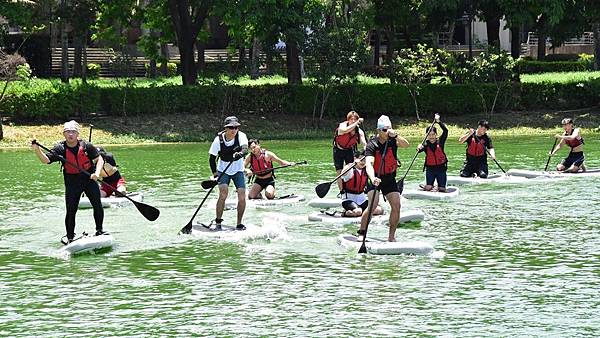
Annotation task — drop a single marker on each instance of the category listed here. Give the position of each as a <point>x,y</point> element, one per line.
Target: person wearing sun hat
<point>84,154</point>
<point>381,163</point>
<point>231,146</point>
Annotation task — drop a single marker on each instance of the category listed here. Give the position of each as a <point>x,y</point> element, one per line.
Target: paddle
<point>150,212</point>
<point>400,182</point>
<point>363,246</point>
<point>323,188</point>
<point>187,229</point>
<point>266,171</point>
<point>550,156</point>
<point>90,137</point>
<point>488,152</point>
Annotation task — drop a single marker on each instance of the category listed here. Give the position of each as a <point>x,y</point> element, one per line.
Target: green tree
<point>592,14</point>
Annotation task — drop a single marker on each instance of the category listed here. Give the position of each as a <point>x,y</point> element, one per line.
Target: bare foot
<point>391,239</point>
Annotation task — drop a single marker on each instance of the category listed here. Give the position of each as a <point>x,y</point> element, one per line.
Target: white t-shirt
<point>236,166</point>
<point>357,198</point>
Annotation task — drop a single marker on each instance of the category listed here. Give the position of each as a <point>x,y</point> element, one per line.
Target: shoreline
<point>190,129</point>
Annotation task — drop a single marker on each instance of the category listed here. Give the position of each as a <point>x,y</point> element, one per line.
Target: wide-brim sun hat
<point>71,126</point>
<point>231,121</point>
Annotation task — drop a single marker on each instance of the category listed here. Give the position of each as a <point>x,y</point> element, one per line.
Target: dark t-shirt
<point>61,149</point>
<point>373,146</point>
<point>487,141</point>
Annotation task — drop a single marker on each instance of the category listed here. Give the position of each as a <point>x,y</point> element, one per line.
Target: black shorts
<point>388,184</point>
<point>576,159</point>
<point>342,157</point>
<point>265,182</point>
<point>351,205</point>
<point>475,165</point>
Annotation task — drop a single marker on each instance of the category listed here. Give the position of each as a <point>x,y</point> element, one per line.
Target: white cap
<point>71,125</point>
<point>384,122</point>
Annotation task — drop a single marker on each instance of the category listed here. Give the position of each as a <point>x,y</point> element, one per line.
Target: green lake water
<point>512,260</point>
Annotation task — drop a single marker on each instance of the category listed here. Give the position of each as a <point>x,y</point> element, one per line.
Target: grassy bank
<point>194,128</point>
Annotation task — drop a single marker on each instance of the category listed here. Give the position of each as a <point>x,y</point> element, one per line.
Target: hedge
<point>61,101</point>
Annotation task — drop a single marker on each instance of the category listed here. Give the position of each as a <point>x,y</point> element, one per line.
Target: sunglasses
<point>232,128</point>
<point>384,130</point>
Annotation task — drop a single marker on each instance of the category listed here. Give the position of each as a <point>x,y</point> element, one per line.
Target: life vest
<point>226,152</point>
<point>259,163</point>
<point>574,143</point>
<point>358,182</point>
<point>476,148</point>
<point>435,157</point>
<point>81,160</point>
<point>347,140</point>
<point>390,161</point>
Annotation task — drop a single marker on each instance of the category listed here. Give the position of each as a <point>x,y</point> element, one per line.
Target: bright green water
<point>519,260</point>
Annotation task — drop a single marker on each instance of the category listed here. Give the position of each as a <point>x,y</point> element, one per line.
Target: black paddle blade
<point>187,229</point>
<point>322,189</point>
<point>208,184</point>
<point>148,211</point>
<point>363,248</point>
<point>400,185</point>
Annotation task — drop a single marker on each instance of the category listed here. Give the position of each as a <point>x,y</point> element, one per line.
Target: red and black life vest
<point>476,147</point>
<point>574,143</point>
<point>347,140</point>
<point>82,160</point>
<point>435,157</point>
<point>390,162</point>
<point>259,163</point>
<point>358,182</point>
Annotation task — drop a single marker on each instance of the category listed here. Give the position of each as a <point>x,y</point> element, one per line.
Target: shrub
<point>534,66</point>
<point>23,72</point>
<point>171,69</point>
<point>93,70</point>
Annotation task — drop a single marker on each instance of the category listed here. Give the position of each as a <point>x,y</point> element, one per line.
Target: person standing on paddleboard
<point>79,153</point>
<point>110,174</point>
<point>436,162</point>
<point>571,137</point>
<point>354,198</point>
<point>346,138</point>
<point>260,161</point>
<point>231,145</point>
<point>381,164</point>
<point>478,145</point>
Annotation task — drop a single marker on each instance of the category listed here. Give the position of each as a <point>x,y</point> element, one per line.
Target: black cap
<point>231,121</point>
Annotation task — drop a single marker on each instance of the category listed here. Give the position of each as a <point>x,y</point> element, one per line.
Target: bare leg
<point>122,189</point>
<point>241,205</point>
<point>573,169</point>
<point>394,201</point>
<point>378,211</point>
<point>373,199</point>
<point>339,181</point>
<point>270,192</point>
<point>254,192</point>
<point>223,191</point>
<point>560,167</point>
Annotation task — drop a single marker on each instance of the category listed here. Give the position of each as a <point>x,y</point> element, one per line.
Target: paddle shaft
<point>188,227</point>
<point>417,153</point>
<point>488,152</point>
<point>550,156</point>
<point>347,170</point>
<point>363,247</point>
<point>266,171</point>
<point>90,136</point>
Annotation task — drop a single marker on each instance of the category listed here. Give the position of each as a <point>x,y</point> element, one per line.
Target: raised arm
<point>274,158</point>
<point>463,138</point>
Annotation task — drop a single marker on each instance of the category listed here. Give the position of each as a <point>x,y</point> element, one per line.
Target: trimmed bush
<point>93,70</point>
<point>563,63</point>
<point>171,69</point>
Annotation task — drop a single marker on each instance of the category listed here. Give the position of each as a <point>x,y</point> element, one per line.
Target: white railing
<point>586,39</point>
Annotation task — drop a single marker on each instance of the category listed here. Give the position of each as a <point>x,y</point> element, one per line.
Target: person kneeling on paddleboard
<point>436,162</point>
<point>572,137</point>
<point>80,153</point>
<point>346,138</point>
<point>110,174</point>
<point>231,145</point>
<point>354,198</point>
<point>478,145</point>
<point>381,164</point>
<point>261,163</point>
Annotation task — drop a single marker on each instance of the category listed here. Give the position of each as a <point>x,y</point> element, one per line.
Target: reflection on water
<point>519,259</point>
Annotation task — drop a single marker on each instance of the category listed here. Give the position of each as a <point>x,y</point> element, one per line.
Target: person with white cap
<point>231,145</point>
<point>85,155</point>
<point>381,164</point>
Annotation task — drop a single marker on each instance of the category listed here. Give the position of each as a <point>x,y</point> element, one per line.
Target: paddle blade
<point>208,184</point>
<point>400,185</point>
<point>148,211</point>
<point>363,248</point>
<point>322,189</point>
<point>187,229</point>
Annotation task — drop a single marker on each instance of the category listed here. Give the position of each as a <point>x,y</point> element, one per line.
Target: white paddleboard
<point>326,203</point>
<point>451,192</point>
<point>227,232</point>
<point>88,243</point>
<point>414,215</point>
<point>380,247</point>
<point>112,201</point>
<point>265,203</point>
<point>551,174</point>
<point>495,178</point>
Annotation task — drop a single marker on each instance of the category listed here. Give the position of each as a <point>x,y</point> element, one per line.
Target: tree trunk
<point>164,53</point>
<point>84,66</point>
<point>201,63</point>
<point>377,49</point>
<point>78,46</point>
<point>294,74</point>
<point>493,32</point>
<point>515,42</point>
<point>389,52</point>
<point>64,45</point>
<point>152,69</point>
<point>541,47</point>
<point>1,97</point>
<point>596,27</point>
<point>255,65</point>
<point>407,37</point>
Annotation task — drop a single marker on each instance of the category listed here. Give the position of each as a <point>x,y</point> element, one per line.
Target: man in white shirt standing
<point>231,145</point>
